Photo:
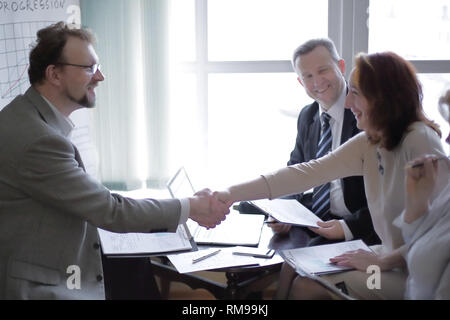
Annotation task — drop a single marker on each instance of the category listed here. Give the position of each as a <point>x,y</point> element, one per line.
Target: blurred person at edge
<point>425,223</point>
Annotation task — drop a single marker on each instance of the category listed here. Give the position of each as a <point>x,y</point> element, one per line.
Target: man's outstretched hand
<point>207,210</point>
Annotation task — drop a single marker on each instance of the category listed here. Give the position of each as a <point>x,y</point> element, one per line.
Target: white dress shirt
<point>337,204</point>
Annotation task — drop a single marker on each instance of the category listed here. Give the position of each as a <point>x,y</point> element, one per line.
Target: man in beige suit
<point>49,207</point>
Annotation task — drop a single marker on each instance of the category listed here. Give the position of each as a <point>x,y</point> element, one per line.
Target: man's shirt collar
<point>336,111</point>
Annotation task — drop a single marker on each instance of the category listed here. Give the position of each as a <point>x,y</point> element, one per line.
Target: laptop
<point>180,185</point>
<point>237,229</point>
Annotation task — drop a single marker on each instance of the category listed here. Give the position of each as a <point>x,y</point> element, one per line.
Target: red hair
<point>394,93</point>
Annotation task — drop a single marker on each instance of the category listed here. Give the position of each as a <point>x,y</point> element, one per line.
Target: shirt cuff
<point>185,209</point>
<point>347,233</point>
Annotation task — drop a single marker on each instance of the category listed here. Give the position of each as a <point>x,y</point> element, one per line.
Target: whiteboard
<point>19,22</point>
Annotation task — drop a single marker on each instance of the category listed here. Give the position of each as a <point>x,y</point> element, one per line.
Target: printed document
<point>316,260</point>
<point>144,243</point>
<point>288,211</point>
<point>183,262</point>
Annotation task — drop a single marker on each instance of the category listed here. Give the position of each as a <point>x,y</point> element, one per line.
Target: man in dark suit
<point>321,72</point>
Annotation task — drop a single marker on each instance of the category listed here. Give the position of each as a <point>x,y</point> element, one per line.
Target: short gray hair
<point>310,45</point>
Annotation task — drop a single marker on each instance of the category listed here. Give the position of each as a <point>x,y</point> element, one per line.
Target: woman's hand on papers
<point>358,259</point>
<point>206,210</point>
<point>331,229</point>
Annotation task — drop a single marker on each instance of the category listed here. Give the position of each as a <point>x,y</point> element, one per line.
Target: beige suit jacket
<point>50,209</point>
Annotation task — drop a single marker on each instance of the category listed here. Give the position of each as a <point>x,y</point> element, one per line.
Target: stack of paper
<point>316,260</point>
<point>184,262</point>
<point>143,243</point>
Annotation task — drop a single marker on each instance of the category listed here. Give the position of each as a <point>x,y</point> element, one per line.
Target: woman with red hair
<point>386,98</point>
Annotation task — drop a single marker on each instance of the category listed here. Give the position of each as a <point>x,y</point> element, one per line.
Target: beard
<point>84,101</point>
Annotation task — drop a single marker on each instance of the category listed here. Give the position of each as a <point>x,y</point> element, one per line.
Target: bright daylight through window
<point>234,96</point>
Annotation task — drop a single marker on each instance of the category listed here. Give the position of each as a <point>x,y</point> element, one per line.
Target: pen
<point>420,164</point>
<point>205,256</point>
<point>269,254</point>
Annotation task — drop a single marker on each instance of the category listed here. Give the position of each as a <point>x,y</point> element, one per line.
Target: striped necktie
<point>321,194</point>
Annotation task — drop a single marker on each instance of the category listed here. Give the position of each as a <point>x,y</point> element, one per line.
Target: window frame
<point>347,27</point>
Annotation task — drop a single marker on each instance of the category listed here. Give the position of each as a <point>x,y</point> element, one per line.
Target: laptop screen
<point>180,186</point>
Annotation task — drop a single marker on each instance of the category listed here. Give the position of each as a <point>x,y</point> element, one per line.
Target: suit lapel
<point>46,112</point>
<point>48,115</point>
<point>78,158</point>
<point>349,128</point>
<point>315,131</point>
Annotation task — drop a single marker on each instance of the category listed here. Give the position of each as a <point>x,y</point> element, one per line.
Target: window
<point>239,79</point>
<point>252,123</point>
<point>418,31</point>
<point>262,29</point>
<point>433,85</point>
<point>401,25</point>
<point>234,95</point>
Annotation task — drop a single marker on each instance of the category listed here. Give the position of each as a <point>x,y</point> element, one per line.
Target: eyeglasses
<point>92,68</point>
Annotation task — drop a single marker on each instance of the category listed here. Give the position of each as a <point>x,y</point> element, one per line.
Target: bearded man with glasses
<point>50,208</point>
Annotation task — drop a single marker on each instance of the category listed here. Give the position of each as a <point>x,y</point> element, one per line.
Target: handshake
<point>209,209</point>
